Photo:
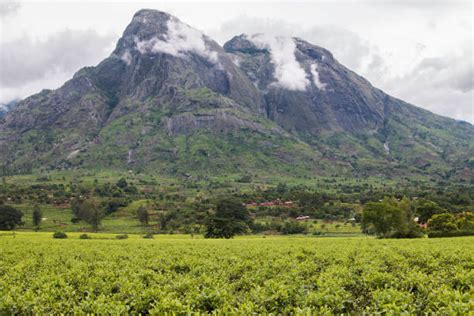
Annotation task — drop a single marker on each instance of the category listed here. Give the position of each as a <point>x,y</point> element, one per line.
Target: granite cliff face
<point>171,99</point>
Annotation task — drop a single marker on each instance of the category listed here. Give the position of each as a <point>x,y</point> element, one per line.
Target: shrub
<point>454,233</point>
<point>292,227</point>
<point>84,236</point>
<point>75,220</point>
<point>149,236</point>
<point>59,235</point>
<point>449,225</point>
<point>125,236</point>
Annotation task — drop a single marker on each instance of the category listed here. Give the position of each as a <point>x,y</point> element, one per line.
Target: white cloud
<point>317,82</point>
<point>180,39</point>
<point>126,57</point>
<point>439,79</point>
<point>28,65</point>
<point>8,8</point>
<point>366,36</point>
<point>444,85</point>
<point>288,72</point>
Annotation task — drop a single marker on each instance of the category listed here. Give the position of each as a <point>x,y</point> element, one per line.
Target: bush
<point>75,220</point>
<point>125,236</point>
<point>292,227</point>
<point>454,233</point>
<point>84,236</point>
<point>149,236</point>
<point>59,235</point>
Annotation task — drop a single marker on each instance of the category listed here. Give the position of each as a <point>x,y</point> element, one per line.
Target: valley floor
<point>254,274</point>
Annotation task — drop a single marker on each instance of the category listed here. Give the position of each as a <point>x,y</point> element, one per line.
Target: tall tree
<point>390,218</point>
<point>425,209</point>
<point>37,216</point>
<point>90,211</point>
<point>230,218</point>
<point>143,215</point>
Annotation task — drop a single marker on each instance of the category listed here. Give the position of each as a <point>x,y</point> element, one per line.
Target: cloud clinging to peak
<point>417,51</point>
<point>289,74</point>
<point>180,38</point>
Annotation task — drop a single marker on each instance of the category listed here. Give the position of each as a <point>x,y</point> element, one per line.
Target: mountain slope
<point>170,99</point>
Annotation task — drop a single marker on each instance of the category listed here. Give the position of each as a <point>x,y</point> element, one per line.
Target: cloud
<point>26,63</point>
<point>317,82</point>
<point>9,8</point>
<point>439,82</point>
<point>288,72</point>
<point>126,57</point>
<point>180,39</point>
<point>443,85</point>
<point>347,46</point>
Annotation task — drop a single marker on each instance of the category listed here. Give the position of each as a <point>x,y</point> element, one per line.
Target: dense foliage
<point>90,211</point>
<point>37,216</point>
<point>446,225</point>
<point>390,218</point>
<point>41,275</point>
<point>229,219</point>
<point>183,204</point>
<point>10,217</point>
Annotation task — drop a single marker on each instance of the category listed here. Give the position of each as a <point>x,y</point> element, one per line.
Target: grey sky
<point>419,51</point>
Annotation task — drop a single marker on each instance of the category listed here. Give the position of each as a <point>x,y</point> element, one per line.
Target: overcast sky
<point>419,51</point>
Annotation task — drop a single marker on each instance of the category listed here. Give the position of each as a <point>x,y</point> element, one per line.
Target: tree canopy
<point>10,217</point>
<point>390,218</point>
<point>230,218</point>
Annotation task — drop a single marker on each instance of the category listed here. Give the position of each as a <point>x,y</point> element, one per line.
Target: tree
<point>425,209</point>
<point>281,188</point>
<point>10,217</point>
<point>143,215</point>
<point>89,211</point>
<point>465,221</point>
<point>380,218</point>
<point>390,218</point>
<point>37,216</point>
<point>230,218</point>
<point>442,222</point>
<point>122,183</point>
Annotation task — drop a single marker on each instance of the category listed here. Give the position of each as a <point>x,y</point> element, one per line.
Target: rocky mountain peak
<point>261,101</point>
<point>315,52</point>
<point>146,24</point>
<point>154,32</point>
<point>242,44</point>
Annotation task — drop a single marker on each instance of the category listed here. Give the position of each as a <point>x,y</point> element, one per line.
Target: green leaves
<point>278,275</point>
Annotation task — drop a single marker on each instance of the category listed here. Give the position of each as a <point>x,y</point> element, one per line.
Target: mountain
<point>171,100</point>
<point>5,107</point>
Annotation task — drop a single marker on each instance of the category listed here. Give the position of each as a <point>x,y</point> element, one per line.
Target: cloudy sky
<point>419,51</point>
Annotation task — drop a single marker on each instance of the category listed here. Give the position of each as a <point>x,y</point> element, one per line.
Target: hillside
<point>170,100</point>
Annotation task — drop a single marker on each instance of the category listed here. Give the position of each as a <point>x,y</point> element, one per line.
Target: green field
<point>42,275</point>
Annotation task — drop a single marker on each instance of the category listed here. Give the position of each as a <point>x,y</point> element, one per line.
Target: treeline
<point>172,209</point>
<point>405,218</point>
